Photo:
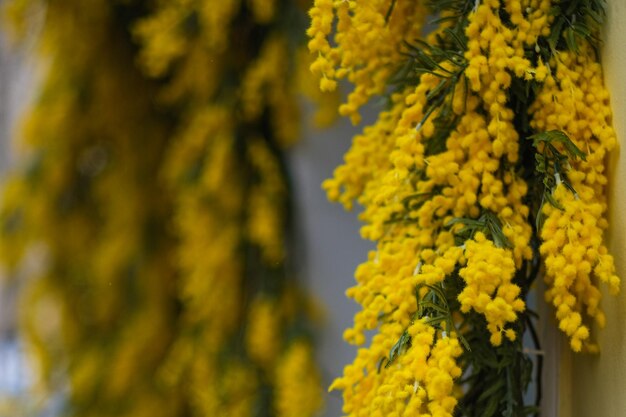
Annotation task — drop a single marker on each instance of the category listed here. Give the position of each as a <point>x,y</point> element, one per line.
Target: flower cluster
<point>574,100</point>
<point>82,205</point>
<point>227,175</point>
<point>296,379</point>
<point>156,182</point>
<point>460,197</point>
<point>488,289</point>
<point>421,381</point>
<point>367,45</point>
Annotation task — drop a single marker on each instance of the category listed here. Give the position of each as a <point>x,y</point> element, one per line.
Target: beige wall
<point>598,383</point>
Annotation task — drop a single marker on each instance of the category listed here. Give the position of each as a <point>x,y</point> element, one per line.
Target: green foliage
<point>488,223</point>
<point>551,165</point>
<point>576,21</point>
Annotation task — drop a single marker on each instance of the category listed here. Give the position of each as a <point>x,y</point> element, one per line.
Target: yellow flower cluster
<point>263,333</point>
<point>207,223</point>
<point>494,54</point>
<point>489,290</point>
<point>367,155</point>
<point>263,10</point>
<point>267,83</point>
<point>446,180</point>
<point>574,100</point>
<point>266,222</point>
<point>82,206</point>
<point>366,45</point>
<point>297,381</point>
<point>387,170</point>
<point>231,203</point>
<point>166,260</point>
<point>420,383</point>
<point>495,51</point>
<point>165,35</point>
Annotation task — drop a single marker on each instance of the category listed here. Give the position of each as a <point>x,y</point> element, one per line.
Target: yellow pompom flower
<point>489,290</point>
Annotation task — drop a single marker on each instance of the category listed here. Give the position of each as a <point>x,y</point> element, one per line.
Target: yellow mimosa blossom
<point>487,160</point>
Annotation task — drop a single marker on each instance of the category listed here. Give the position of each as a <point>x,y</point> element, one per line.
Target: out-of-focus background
<point>17,76</point>
<point>329,238</point>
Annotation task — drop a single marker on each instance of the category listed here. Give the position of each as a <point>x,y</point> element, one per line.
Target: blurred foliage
<point>153,176</point>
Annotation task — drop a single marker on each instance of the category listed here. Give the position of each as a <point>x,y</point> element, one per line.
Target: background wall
<point>598,383</point>
<point>332,245</point>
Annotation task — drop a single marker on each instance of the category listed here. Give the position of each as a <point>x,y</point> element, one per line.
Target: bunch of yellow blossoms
<point>157,186</point>
<point>488,158</point>
<point>84,222</point>
<point>230,66</point>
<point>573,99</point>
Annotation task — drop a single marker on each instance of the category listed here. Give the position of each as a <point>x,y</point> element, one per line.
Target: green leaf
<point>540,216</point>
<point>570,39</point>
<point>390,11</point>
<point>433,306</point>
<point>464,342</point>
<point>540,163</point>
<point>550,198</point>
<point>555,33</point>
<point>460,42</point>
<point>491,390</point>
<point>491,408</point>
<point>581,30</point>
<point>433,321</point>
<point>597,17</point>
<point>570,187</point>
<point>436,290</point>
<point>380,363</point>
<point>495,228</point>
<point>435,91</point>
<point>465,221</point>
<point>554,136</point>
<point>531,409</point>
<point>398,348</point>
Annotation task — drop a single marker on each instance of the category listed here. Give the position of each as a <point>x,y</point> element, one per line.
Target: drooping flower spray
<point>485,166</point>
